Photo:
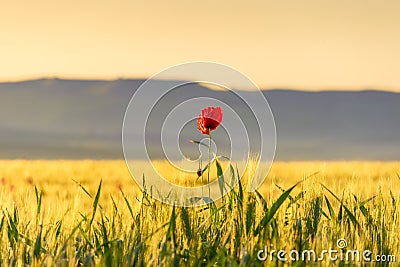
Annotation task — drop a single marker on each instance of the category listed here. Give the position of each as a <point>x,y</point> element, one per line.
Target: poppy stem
<point>201,173</point>
<point>209,162</point>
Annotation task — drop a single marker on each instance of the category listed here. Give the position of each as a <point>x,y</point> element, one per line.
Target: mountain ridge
<point>68,118</point>
<point>141,80</point>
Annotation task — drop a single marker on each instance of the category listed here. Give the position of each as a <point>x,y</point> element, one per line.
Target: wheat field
<point>91,213</point>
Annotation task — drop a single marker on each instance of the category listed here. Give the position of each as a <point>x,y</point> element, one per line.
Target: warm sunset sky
<point>304,44</point>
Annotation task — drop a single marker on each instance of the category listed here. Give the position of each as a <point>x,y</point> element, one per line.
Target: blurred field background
<point>59,179</point>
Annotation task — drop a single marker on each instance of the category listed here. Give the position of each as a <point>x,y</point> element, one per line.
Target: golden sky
<point>304,44</point>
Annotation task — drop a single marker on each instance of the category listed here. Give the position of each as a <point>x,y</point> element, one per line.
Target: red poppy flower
<point>209,119</point>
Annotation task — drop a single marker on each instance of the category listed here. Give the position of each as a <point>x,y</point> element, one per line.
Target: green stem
<point>209,162</point>
<point>202,175</point>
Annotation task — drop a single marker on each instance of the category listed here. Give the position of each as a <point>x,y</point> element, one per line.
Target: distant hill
<point>55,118</point>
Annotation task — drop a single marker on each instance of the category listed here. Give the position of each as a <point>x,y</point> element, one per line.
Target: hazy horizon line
<point>122,78</point>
